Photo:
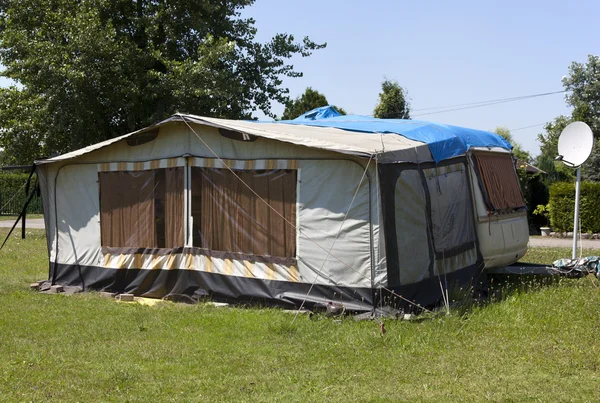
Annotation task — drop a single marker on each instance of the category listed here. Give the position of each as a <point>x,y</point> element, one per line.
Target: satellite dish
<point>575,144</point>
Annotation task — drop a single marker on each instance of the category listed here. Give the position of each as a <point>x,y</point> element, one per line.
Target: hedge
<point>562,205</point>
<point>12,194</point>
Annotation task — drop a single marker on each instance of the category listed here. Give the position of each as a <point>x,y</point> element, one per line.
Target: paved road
<point>562,242</point>
<point>36,223</point>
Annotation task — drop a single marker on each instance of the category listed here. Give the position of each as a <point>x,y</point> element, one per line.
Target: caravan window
<point>228,216</point>
<point>142,209</point>
<point>451,210</point>
<point>498,176</point>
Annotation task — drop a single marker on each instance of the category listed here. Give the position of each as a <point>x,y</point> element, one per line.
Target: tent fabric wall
<point>449,244</point>
<point>322,258</point>
<point>334,247</point>
<point>413,233</point>
<point>338,267</point>
<point>77,218</point>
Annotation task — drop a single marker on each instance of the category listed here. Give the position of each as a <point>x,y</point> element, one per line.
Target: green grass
<point>547,255</point>
<point>542,345</point>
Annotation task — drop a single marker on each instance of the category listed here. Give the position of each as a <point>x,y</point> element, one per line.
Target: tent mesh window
<point>497,174</point>
<point>411,228</point>
<point>142,209</point>
<point>451,210</point>
<point>229,217</point>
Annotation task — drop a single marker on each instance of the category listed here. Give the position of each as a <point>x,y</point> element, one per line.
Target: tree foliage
<point>555,170</point>
<point>393,102</point>
<point>310,100</point>
<point>583,86</point>
<point>91,70</point>
<point>518,150</point>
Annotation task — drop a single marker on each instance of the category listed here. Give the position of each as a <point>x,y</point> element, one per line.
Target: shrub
<point>562,199</point>
<point>535,192</point>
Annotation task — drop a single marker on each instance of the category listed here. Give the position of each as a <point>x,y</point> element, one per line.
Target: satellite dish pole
<point>574,147</point>
<point>576,215</point>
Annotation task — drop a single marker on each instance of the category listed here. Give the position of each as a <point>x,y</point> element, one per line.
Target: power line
<point>492,102</point>
<point>479,104</point>
<point>526,127</point>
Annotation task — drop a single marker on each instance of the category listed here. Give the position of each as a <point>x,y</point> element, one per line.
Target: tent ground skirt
<point>177,284</point>
<point>469,282</point>
<point>173,283</point>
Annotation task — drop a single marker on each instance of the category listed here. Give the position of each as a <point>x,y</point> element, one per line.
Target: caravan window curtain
<point>142,209</point>
<point>498,176</point>
<point>229,217</point>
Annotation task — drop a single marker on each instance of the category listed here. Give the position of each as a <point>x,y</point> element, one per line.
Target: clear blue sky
<point>442,52</point>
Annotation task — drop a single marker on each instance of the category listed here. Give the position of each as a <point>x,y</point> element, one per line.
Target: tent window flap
<point>501,188</point>
<point>229,217</point>
<point>142,209</point>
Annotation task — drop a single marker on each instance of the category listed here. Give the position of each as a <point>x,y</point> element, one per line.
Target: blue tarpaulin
<point>444,141</point>
<point>323,112</point>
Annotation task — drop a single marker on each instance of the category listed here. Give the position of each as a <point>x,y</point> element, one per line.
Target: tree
<point>583,84</point>
<point>546,161</point>
<point>92,70</point>
<point>393,102</point>
<point>518,150</point>
<point>310,100</point>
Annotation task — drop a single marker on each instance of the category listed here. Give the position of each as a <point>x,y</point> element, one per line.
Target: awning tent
<point>345,208</point>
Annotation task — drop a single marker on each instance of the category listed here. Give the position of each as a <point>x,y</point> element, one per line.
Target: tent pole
<point>187,210</point>
<point>23,225</point>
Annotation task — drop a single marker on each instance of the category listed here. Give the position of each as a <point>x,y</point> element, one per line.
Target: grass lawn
<point>542,345</point>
